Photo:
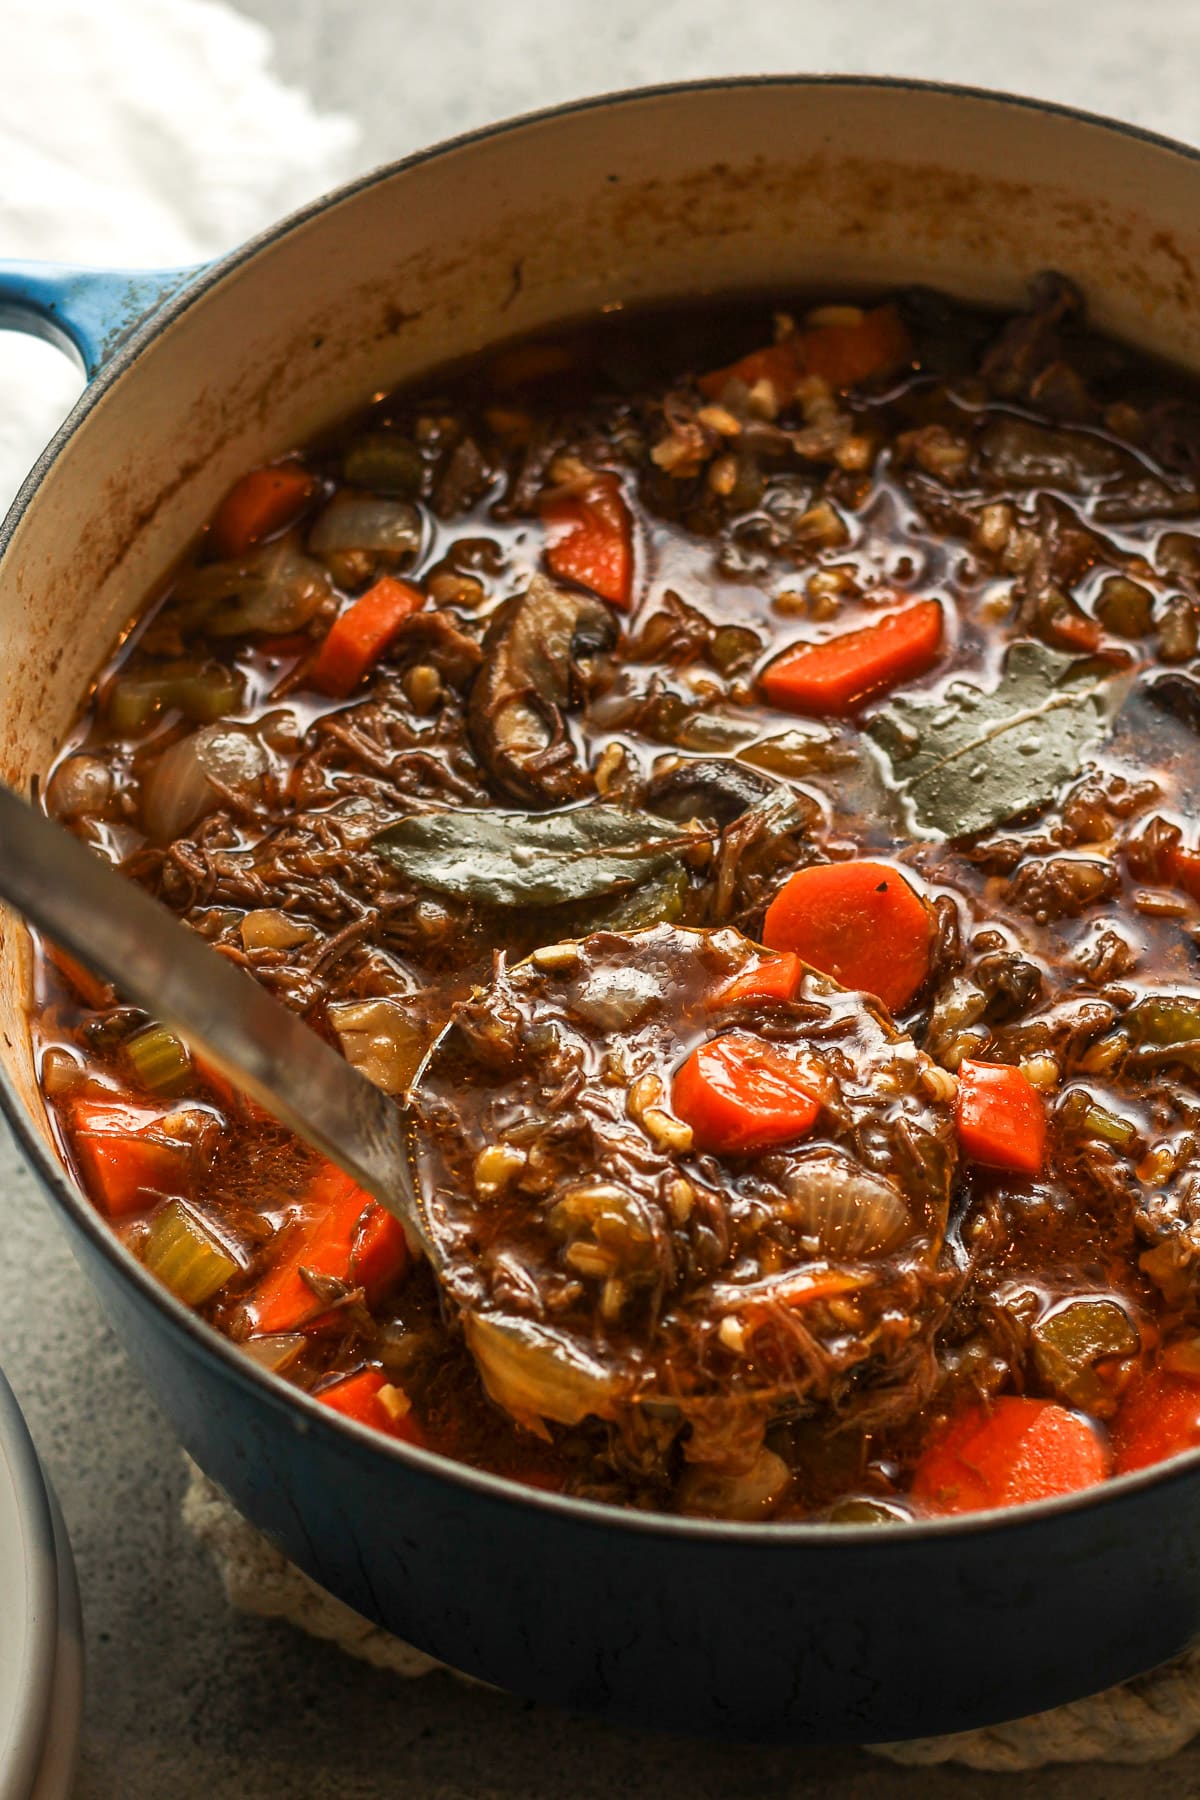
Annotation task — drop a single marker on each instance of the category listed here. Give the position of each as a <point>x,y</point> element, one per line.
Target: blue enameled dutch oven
<point>805,1631</point>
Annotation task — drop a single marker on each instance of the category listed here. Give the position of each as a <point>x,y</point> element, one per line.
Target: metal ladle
<point>118,930</point>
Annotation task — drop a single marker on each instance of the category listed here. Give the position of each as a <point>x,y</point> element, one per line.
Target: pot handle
<point>86,312</point>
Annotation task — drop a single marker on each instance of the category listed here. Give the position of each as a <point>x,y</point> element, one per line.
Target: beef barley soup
<point>771,739</point>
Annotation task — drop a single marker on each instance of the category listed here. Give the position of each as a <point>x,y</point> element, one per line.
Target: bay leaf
<point>531,859</point>
<point>971,759</point>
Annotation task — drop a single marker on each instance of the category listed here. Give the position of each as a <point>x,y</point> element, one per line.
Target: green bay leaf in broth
<point>531,859</point>
<point>973,758</point>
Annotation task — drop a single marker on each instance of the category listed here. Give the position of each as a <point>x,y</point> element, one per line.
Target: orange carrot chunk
<point>589,536</point>
<point>127,1159</point>
<point>260,504</point>
<point>1159,1417</point>
<point>842,355</point>
<point>833,678</point>
<point>740,1093</point>
<point>778,363</point>
<point>859,922</point>
<point>772,978</point>
<point>1001,1117</point>
<point>346,1237</point>
<point>1013,1452</point>
<point>359,636</point>
<point>1183,870</point>
<point>371,1399</point>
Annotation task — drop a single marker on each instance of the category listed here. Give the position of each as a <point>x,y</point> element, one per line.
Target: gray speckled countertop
<point>186,1699</point>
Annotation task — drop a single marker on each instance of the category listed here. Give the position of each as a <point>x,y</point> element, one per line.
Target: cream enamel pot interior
<point>800,1631</point>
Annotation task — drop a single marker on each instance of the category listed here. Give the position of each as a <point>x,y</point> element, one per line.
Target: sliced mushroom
<point>709,787</point>
<point>531,652</point>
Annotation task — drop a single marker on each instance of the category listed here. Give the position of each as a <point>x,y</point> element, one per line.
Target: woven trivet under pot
<point>1143,1721</point>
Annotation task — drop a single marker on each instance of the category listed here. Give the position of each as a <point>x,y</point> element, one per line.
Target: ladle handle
<point>126,936</point>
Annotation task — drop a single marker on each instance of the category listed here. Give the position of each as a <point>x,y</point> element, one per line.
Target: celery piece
<point>185,1255</point>
<point>159,1060</point>
<point>201,691</point>
<point>386,462</point>
<point>1081,1333</point>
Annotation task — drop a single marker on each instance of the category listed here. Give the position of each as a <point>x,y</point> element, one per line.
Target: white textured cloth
<point>1144,1721</point>
<point>137,133</point>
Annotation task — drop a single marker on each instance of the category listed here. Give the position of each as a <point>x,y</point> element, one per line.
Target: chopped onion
<point>275,590</point>
<point>276,1350</point>
<point>269,929</point>
<point>359,534</point>
<point>717,1494</point>
<point>535,1373</point>
<point>849,1210</point>
<point>178,792</point>
<point>380,1039</point>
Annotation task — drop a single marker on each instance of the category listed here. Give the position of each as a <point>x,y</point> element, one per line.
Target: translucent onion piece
<point>380,1039</point>
<point>185,1256</point>
<point>275,590</point>
<point>269,929</point>
<point>387,528</point>
<point>716,1494</point>
<point>535,1373</point>
<point>277,1350</point>
<point>847,1209</point>
<point>178,792</point>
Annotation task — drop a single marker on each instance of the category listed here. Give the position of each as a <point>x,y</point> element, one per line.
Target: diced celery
<point>386,462</point>
<point>185,1255</point>
<point>160,1061</point>
<point>200,691</point>
<point>1068,1345</point>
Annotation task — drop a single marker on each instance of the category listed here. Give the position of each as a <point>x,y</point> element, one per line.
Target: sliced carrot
<point>371,1399</point>
<point>740,1093</point>
<point>127,1160</point>
<point>346,1237</point>
<point>1016,1451</point>
<point>859,922</point>
<point>772,978</point>
<point>778,363</point>
<point>834,677</point>
<point>844,355</point>
<point>1159,1416</point>
<point>359,636</point>
<point>259,505</point>
<point>1001,1117</point>
<point>90,988</point>
<point>1183,870</point>
<point>589,536</point>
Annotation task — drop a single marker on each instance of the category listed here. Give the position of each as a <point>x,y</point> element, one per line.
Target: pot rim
<point>307,1413</point>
